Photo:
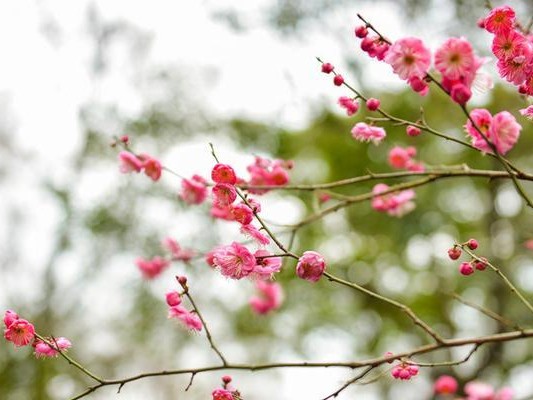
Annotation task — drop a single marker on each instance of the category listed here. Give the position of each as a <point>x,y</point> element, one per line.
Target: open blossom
<point>269,299</point>
<point>409,58</point>
<point>253,233</point>
<point>500,20</point>
<point>189,319</point>
<point>366,133</point>
<point>482,119</point>
<point>43,349</point>
<point>234,261</point>
<point>224,194</point>
<point>242,213</point>
<point>504,131</point>
<point>266,266</point>
<point>223,173</point>
<point>19,332</point>
<point>445,384</point>
<point>527,112</point>
<point>508,45</point>
<point>455,58</point>
<point>152,268</point>
<point>311,266</point>
<point>129,162</point>
<point>194,190</point>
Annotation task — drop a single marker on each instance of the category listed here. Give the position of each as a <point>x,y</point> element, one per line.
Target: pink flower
<point>152,268</point>
<point>173,298</point>
<point>223,173</point>
<point>266,266</point>
<point>460,93</point>
<point>372,104</point>
<point>404,371</point>
<point>508,45</point>
<point>20,332</point>
<point>400,157</point>
<point>224,194</point>
<point>194,190</point>
<point>395,204</point>
<point>255,234</point>
<point>483,120</point>
<point>350,105</point>
<point>517,69</point>
<point>235,261</point>
<point>366,133</point>
<point>152,167</point>
<point>454,58</point>
<point>527,112</point>
<point>10,317</point>
<point>479,391</point>
<point>189,319</point>
<point>418,85</point>
<point>222,394</point>
<point>129,162</point>
<point>504,131</point>
<point>500,20</point>
<point>505,393</point>
<point>445,384</point>
<point>267,172</point>
<point>412,130</point>
<point>242,214</point>
<point>409,58</point>
<point>269,299</point>
<point>178,254</point>
<point>43,349</point>
<point>311,266</point>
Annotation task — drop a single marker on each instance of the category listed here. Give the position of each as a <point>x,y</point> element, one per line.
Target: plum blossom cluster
<point>151,268</point>
<point>500,130</point>
<point>227,392</point>
<point>468,267</point>
<point>403,158</point>
<point>512,48</point>
<point>404,370</point>
<point>21,333</point>
<point>395,204</point>
<point>130,162</point>
<point>447,385</point>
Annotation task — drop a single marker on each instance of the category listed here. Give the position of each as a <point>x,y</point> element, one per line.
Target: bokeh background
<point>176,75</point>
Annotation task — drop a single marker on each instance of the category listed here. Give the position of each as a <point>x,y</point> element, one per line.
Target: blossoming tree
<point>263,251</point>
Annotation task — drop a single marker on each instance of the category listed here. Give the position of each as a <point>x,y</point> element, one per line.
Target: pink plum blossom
<point>43,349</point>
<point>366,133</point>
<point>455,58</point>
<point>269,299</point>
<point>223,173</point>
<point>188,318</point>
<point>224,194</point>
<point>20,332</point>
<point>311,266</point>
<point>152,268</point>
<point>234,261</point>
<point>409,58</point>
<point>253,233</point>
<point>194,190</point>
<point>500,20</point>
<point>129,162</point>
<point>395,204</point>
<point>265,266</point>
